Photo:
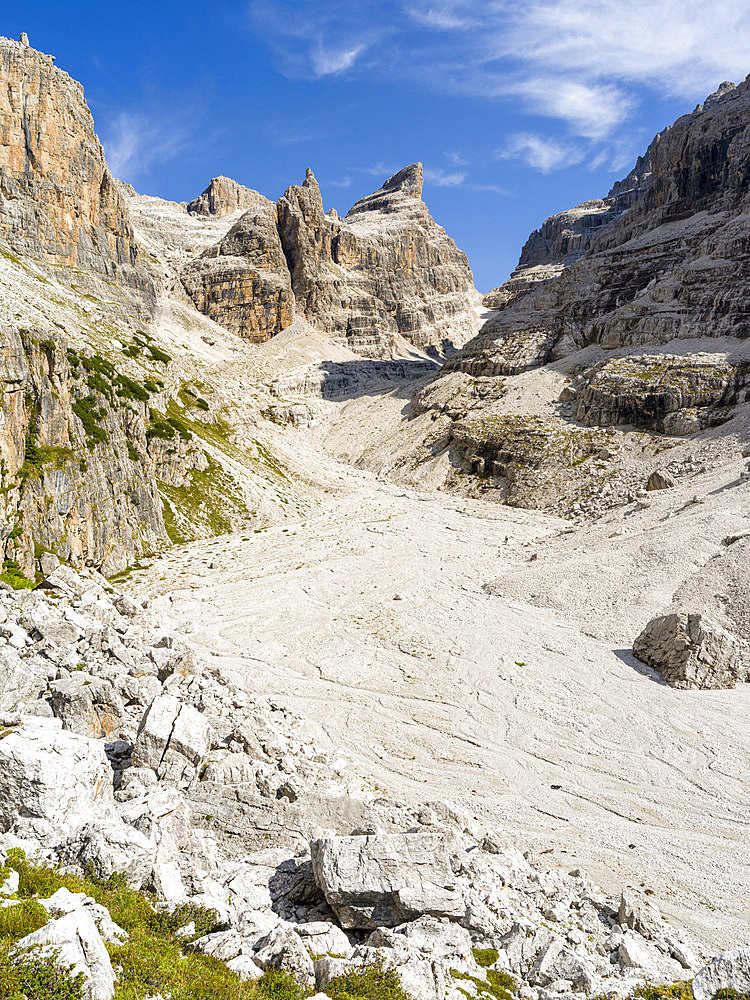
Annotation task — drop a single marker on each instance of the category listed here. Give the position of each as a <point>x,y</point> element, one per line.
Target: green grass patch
<point>33,978</point>
<point>13,576</point>
<point>485,957</point>
<point>152,962</point>
<point>500,985</point>
<point>371,982</point>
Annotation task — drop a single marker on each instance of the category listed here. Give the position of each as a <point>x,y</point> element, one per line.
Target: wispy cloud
<point>133,142</point>
<point>539,152</point>
<point>313,40</point>
<point>456,159</point>
<point>584,65</point>
<point>379,169</point>
<point>440,178</point>
<point>326,61</point>
<point>491,188</point>
<point>343,182</point>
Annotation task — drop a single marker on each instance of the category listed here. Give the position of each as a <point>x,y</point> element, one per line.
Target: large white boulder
<point>730,970</point>
<point>74,940</point>
<point>52,782</point>
<point>173,739</point>
<point>384,880</point>
<point>691,651</point>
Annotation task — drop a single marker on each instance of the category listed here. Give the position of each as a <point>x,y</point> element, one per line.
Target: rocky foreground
<point>123,753</point>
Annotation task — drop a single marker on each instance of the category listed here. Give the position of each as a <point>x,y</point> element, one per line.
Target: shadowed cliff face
<point>385,271</point>
<point>57,198</point>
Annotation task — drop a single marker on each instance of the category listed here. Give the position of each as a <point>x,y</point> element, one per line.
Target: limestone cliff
<point>78,478</point>
<point>243,282</point>
<point>384,272</point>
<point>224,196</point>
<point>58,200</point>
<point>385,269</point>
<point>674,263</point>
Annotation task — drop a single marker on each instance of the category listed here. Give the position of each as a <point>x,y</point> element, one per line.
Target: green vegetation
<point>13,576</point>
<point>103,377</point>
<point>36,979</point>
<point>142,341</point>
<point>674,991</point>
<point>36,457</point>
<point>371,982</point>
<point>190,399</point>
<point>153,961</point>
<point>500,985</point>
<point>202,506</point>
<point>485,957</point>
<point>87,412</point>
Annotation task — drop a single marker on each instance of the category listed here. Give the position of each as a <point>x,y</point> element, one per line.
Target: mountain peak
<point>395,194</point>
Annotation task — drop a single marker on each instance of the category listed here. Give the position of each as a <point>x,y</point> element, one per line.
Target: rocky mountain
<point>660,258</point>
<point>383,275</point>
<point>59,200</point>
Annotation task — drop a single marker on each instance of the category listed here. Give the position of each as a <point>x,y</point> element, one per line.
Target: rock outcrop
<point>243,282</point>
<point>224,196</point>
<point>58,200</point>
<point>670,394</point>
<point>690,651</point>
<point>383,881</point>
<point>386,269</point>
<point>665,256</point>
<point>383,273</point>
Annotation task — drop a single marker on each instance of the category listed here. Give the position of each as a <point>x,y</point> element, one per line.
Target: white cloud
<point>586,64</point>
<point>342,182</point>
<point>379,169</point>
<point>539,152</point>
<point>444,17</point>
<point>133,142</point>
<point>330,61</point>
<point>440,178</point>
<point>456,159</point>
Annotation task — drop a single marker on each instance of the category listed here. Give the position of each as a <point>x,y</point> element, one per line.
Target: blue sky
<point>517,110</point>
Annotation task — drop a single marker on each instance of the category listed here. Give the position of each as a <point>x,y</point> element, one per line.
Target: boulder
<point>64,901</point>
<point>691,651</point>
<point>384,880</point>
<point>172,740</point>
<point>323,938</point>
<point>639,915</point>
<point>52,782</point>
<point>660,480</point>
<point>74,940</point>
<point>86,705</point>
<point>283,949</point>
<point>730,970</point>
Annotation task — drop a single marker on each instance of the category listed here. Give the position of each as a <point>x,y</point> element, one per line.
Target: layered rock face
<point>385,271</point>
<point>669,394</point>
<point>58,200</point>
<point>243,282</point>
<point>668,257</point>
<point>224,196</point>
<point>69,484</point>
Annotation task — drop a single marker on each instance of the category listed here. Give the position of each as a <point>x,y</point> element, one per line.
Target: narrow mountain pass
<point>382,619</point>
